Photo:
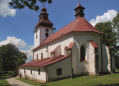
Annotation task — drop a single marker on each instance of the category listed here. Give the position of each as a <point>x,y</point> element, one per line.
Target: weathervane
<point>43,4</point>
<point>79,1</point>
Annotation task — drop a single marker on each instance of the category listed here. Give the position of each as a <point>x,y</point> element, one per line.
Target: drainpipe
<point>101,56</point>
<point>46,74</point>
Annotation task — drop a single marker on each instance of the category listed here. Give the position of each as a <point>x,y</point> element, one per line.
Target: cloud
<point>107,16</point>
<point>29,53</point>
<point>5,10</point>
<point>17,42</point>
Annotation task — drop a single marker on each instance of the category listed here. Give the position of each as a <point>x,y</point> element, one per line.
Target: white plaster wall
<point>42,34</point>
<point>63,42</point>
<point>92,59</point>
<point>34,75</point>
<point>82,39</point>
<point>106,59</point>
<point>50,47</point>
<point>37,41</point>
<point>113,64</point>
<point>58,52</point>
<point>41,50</point>
<point>65,64</point>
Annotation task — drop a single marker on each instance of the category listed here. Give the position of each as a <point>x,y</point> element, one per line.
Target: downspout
<point>101,56</point>
<point>46,74</point>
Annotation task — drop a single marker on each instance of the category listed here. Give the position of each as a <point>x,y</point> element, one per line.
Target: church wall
<point>42,34</point>
<point>64,64</point>
<point>83,39</point>
<point>36,40</point>
<point>74,59</point>
<point>63,42</point>
<point>92,60</point>
<point>34,76</point>
<point>42,50</point>
<point>106,58</point>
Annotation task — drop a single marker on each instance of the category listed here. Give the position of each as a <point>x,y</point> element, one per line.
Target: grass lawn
<point>3,81</point>
<point>103,80</point>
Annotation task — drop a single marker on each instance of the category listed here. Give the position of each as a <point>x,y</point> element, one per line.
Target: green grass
<point>3,81</point>
<point>104,80</point>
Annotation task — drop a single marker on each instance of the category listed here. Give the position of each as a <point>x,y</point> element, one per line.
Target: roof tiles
<point>78,25</point>
<point>44,62</point>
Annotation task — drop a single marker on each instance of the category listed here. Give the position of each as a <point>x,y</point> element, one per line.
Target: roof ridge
<point>77,23</point>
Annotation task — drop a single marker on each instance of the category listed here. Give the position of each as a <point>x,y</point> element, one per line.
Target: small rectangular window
<point>96,50</point>
<point>38,71</point>
<point>31,71</point>
<point>97,58</point>
<point>41,55</point>
<point>37,56</point>
<point>59,71</point>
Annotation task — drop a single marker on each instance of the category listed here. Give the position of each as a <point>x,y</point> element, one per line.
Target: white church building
<point>75,48</point>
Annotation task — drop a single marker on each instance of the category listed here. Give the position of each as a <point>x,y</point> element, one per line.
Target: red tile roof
<point>44,62</point>
<point>70,45</point>
<point>93,44</point>
<point>78,25</point>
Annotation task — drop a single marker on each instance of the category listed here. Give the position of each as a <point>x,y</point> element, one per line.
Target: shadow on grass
<point>111,84</point>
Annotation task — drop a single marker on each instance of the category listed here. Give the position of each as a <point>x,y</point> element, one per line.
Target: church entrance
<point>96,64</point>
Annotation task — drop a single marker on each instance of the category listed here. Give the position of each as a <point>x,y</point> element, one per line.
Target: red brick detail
<point>93,44</point>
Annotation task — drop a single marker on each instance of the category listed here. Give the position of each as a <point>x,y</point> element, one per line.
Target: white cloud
<point>107,16</point>
<point>5,10</point>
<point>17,42</point>
<point>29,53</point>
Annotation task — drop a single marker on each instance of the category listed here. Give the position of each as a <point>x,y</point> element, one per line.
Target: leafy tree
<point>106,28</point>
<point>110,38</point>
<point>31,4</point>
<point>115,23</point>
<point>10,55</point>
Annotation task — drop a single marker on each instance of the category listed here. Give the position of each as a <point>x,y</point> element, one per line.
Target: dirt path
<point>14,82</point>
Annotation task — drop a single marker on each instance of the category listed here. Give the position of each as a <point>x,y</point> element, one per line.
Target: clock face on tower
<point>47,30</point>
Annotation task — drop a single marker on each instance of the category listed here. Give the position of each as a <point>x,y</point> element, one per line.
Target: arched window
<point>82,53</point>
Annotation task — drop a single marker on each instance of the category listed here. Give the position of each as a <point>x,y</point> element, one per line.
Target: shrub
<point>10,72</point>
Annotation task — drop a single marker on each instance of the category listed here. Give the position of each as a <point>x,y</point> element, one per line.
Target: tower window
<point>82,53</point>
<point>38,71</point>
<point>36,36</point>
<point>41,55</point>
<point>46,34</point>
<point>59,71</point>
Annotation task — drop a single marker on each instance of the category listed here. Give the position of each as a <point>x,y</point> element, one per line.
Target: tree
<point>106,28</point>
<point>110,38</point>
<point>115,23</point>
<point>31,4</point>
<point>10,55</point>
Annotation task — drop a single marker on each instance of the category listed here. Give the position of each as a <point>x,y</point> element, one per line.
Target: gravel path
<point>14,82</point>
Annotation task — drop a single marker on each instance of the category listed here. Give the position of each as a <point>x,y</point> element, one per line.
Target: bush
<point>10,72</point>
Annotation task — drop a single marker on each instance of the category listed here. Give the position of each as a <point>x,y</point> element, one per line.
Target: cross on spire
<point>43,4</point>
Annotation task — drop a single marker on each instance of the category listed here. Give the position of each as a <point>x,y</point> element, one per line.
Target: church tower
<point>79,11</point>
<point>43,29</point>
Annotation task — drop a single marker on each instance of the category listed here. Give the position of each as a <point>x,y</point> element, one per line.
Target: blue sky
<point>17,26</point>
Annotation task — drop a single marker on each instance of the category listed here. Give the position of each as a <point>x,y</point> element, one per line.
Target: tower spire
<point>79,10</point>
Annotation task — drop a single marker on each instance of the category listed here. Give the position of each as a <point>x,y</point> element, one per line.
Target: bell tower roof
<point>79,11</point>
<point>43,19</point>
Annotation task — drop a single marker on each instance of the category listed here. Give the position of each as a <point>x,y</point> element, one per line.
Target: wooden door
<point>97,64</point>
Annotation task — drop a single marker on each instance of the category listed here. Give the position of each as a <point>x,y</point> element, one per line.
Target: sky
<point>17,26</point>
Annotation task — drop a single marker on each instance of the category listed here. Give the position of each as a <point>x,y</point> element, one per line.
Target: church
<point>75,49</point>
